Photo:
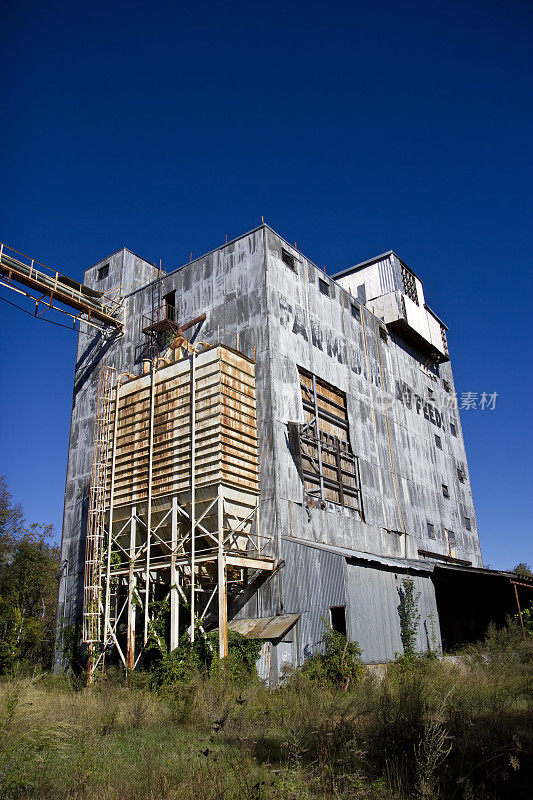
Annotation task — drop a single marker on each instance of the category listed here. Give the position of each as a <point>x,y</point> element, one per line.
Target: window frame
<point>102,272</point>
<point>288,259</point>
<point>343,624</point>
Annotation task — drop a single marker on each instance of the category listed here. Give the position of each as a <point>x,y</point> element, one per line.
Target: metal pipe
<point>222,585</point>
<point>149,498</point>
<point>174,580</point>
<point>193,489</point>
<point>130,651</point>
<point>107,623</point>
<point>519,611</point>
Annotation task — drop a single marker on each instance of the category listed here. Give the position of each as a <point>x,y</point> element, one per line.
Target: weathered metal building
<point>346,473</point>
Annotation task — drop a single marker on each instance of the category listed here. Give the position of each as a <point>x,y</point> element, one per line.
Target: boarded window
<point>288,259</point>
<point>431,530</point>
<point>103,272</point>
<point>337,616</point>
<point>329,467</point>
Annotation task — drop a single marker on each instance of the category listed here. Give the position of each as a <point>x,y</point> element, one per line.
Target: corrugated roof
<point>264,627</point>
<point>396,563</point>
<point>489,573</point>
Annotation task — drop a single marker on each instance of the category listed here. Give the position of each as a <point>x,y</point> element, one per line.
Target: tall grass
<point>429,729</point>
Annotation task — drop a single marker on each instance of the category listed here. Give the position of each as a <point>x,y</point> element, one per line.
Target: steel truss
<point>161,563</point>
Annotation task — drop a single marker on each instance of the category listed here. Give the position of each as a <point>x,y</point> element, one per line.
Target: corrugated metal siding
<point>373,618</point>
<point>264,662</point>
<point>313,580</point>
<point>387,277</point>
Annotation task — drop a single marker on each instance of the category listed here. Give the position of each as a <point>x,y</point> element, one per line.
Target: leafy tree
<point>29,567</point>
<point>523,569</point>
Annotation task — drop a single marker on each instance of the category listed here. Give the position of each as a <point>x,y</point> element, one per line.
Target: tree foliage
<point>523,569</point>
<point>29,567</point>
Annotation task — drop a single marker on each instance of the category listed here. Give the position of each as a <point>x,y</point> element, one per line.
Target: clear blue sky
<point>353,128</point>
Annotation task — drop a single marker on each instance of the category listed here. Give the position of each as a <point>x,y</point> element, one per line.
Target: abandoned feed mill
<point>262,447</point>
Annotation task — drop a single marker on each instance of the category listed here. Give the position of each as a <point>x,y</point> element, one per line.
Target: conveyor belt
<point>57,287</point>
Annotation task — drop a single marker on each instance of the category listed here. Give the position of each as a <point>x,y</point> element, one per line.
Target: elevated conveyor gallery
<point>17,269</point>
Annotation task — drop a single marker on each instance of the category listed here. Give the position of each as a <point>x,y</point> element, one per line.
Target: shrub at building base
<point>201,657</point>
<point>339,664</point>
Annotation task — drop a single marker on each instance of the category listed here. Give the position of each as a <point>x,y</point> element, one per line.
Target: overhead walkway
<point>53,287</point>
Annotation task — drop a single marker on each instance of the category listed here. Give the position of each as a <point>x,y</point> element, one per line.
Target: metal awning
<point>264,627</point>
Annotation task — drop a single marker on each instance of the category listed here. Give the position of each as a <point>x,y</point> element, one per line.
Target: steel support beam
<point>174,580</point>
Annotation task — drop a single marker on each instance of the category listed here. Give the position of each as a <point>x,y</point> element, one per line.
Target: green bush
<point>339,664</point>
<point>201,657</point>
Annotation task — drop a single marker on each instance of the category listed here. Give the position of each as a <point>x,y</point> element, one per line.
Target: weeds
<point>430,730</point>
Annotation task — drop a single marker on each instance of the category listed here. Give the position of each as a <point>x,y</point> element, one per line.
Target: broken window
<point>383,334</point>
<point>409,283</point>
<point>431,530</point>
<point>468,524</point>
<point>103,272</point>
<point>328,466</point>
<point>445,490</point>
<point>288,259</point>
<point>323,286</point>
<point>438,441</point>
<point>453,429</point>
<point>356,313</point>
<point>446,386</point>
<point>337,615</point>
<point>450,535</point>
<point>460,475</point>
<point>431,394</point>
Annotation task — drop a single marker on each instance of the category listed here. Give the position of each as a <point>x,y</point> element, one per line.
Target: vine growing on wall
<point>409,615</point>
